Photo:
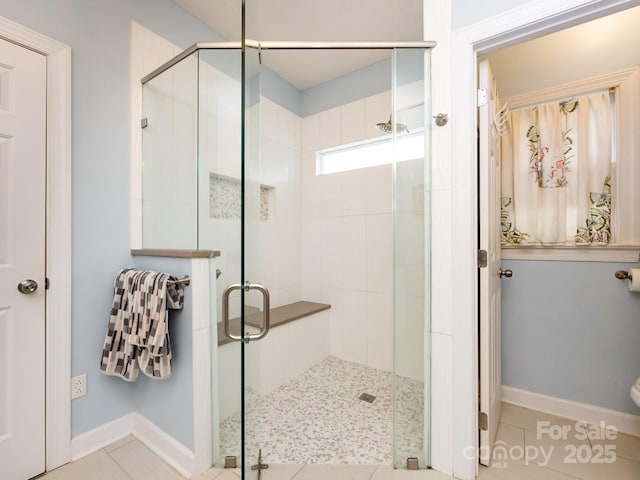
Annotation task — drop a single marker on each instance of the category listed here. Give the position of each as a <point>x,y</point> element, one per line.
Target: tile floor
<point>126,459</point>
<point>318,417</point>
<point>559,450</point>
<point>129,459</point>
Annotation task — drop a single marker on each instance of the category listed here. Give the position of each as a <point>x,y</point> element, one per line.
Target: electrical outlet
<point>79,386</point>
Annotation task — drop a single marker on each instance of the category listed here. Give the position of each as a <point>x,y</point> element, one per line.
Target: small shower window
<point>370,153</point>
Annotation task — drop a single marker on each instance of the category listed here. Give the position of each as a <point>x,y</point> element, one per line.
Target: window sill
<point>583,253</point>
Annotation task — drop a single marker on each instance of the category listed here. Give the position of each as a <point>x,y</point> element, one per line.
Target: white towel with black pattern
<point>138,334</point>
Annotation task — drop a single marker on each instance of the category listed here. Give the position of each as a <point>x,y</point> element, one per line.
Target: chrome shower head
<point>387,127</point>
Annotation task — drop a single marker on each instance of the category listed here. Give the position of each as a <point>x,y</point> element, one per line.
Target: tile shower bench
<point>298,339</point>
<point>278,316</point>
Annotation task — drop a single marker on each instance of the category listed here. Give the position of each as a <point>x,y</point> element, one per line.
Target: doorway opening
<point>58,233</point>
<point>543,343</point>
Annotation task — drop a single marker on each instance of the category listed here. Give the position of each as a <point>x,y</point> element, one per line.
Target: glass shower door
<point>245,299</point>
<point>255,293</point>
<point>411,259</point>
<point>169,203</point>
<point>351,234</point>
<point>376,360</point>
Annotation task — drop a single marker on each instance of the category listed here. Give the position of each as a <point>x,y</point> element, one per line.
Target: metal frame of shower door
<point>277,45</point>
<point>185,53</point>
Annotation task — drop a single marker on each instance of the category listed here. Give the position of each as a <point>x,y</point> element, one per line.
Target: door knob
<point>27,286</point>
<point>505,273</point>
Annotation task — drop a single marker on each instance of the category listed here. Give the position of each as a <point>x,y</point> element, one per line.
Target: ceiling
<point>601,46</point>
<point>313,20</point>
<point>595,47</point>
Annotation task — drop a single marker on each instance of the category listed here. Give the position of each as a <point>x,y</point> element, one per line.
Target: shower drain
<point>367,397</point>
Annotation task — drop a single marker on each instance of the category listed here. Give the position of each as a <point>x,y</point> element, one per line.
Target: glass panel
<point>219,164</point>
<point>254,359</point>
<point>411,263</point>
<point>350,384</point>
<point>169,158</point>
<point>320,389</point>
<point>219,228</point>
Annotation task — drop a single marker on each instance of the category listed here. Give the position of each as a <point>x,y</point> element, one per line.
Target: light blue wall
<point>367,81</point>
<point>98,33</point>
<point>467,12</point>
<point>353,86</point>
<point>571,330</point>
<point>280,91</point>
<point>168,403</point>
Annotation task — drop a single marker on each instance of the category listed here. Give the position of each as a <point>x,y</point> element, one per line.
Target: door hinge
<point>483,421</point>
<point>482,259</point>
<point>144,122</point>
<point>482,97</point>
<point>260,466</point>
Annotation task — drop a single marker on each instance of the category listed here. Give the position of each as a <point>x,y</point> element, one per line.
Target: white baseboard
<point>158,441</point>
<point>624,422</point>
<point>164,445</point>
<point>93,440</point>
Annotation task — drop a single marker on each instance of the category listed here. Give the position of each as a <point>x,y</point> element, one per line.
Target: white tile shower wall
<point>220,127</point>
<point>347,239</point>
<point>148,50</point>
<point>285,353</point>
<point>410,286</point>
<point>169,154</point>
<point>272,247</point>
<point>280,236</point>
<point>229,379</point>
<point>220,122</point>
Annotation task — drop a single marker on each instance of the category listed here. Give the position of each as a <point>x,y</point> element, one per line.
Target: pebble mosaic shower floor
<point>318,418</point>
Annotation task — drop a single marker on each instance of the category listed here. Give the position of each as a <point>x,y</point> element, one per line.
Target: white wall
<point>347,235</point>
<point>594,48</point>
<point>467,12</point>
<point>279,242</point>
<point>170,105</point>
<point>272,247</point>
<point>347,238</point>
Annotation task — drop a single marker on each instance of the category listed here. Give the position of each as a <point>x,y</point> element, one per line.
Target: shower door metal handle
<point>225,310</point>
<point>264,329</point>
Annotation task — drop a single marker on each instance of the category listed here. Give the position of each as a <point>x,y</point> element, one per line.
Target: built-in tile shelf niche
<point>225,198</point>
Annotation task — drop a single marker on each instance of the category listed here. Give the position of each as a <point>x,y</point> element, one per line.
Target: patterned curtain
<point>556,173</point>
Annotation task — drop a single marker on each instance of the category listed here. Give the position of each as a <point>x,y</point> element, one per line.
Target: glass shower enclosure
<point>235,159</point>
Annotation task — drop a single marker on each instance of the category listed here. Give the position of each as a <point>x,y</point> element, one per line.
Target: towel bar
<point>186,280</point>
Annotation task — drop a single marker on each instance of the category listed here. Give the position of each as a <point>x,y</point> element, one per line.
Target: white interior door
<point>22,258</point>
<point>490,283</point>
